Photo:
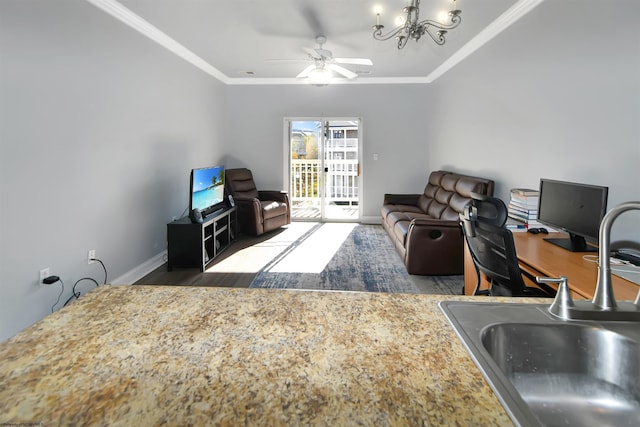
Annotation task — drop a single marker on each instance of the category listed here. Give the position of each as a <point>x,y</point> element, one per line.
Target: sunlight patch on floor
<point>313,253</point>
<point>258,256</point>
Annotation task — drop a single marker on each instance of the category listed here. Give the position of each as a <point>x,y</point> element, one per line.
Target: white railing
<point>305,183</point>
<point>341,180</point>
<point>342,143</point>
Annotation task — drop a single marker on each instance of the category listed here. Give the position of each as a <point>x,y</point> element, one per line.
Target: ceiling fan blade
<point>306,71</point>
<point>341,70</point>
<point>312,52</point>
<point>355,61</point>
<point>310,15</point>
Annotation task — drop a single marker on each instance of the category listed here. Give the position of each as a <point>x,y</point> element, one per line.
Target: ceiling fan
<point>320,72</point>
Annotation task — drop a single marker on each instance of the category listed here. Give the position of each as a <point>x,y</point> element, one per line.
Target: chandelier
<point>413,28</point>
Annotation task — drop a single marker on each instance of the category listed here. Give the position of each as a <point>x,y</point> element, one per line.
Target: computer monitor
<point>575,208</point>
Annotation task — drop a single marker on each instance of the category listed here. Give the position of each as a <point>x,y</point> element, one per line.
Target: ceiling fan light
<point>320,76</point>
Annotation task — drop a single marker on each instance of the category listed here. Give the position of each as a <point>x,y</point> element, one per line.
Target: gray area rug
<point>367,261</point>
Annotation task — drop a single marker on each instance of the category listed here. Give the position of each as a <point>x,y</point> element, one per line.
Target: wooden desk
<point>542,258</point>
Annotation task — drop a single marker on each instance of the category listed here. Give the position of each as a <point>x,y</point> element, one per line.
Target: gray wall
<point>551,97</point>
<point>392,127</point>
<point>99,130</point>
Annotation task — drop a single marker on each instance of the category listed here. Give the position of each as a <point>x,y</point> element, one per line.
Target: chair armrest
<point>249,214</point>
<point>435,223</point>
<point>421,228</point>
<point>244,199</point>
<point>439,243</point>
<point>278,195</point>
<point>401,199</point>
<point>247,203</point>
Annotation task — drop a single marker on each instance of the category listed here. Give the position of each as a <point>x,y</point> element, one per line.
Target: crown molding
<point>504,21</point>
<point>144,27</point>
<point>258,81</point>
<point>128,17</point>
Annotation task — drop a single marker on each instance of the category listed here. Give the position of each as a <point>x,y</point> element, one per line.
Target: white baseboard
<point>371,220</point>
<point>137,273</point>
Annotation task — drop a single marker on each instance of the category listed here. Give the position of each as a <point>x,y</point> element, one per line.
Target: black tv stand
<point>574,243</point>
<point>213,214</point>
<point>192,244</point>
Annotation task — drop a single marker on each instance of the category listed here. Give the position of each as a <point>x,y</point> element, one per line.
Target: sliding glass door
<point>324,169</point>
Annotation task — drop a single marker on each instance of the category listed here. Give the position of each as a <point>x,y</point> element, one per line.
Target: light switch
<point>375,156</point>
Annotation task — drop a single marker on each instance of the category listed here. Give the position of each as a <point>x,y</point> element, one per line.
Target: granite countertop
<point>150,355</point>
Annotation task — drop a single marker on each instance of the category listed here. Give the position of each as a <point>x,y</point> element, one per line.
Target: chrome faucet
<point>604,305</point>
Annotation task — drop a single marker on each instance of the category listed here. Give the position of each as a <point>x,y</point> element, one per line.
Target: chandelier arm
<point>377,32</point>
<point>438,37</point>
<point>455,21</point>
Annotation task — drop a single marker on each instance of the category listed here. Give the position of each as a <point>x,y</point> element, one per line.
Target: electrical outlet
<point>91,256</point>
<point>44,273</point>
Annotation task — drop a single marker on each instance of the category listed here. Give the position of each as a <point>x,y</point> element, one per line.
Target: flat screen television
<point>575,208</point>
<point>207,189</point>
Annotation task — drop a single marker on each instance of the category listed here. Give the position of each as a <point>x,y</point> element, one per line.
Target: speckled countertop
<point>146,355</point>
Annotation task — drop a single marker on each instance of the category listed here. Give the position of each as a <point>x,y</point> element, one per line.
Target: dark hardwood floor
<point>193,276</point>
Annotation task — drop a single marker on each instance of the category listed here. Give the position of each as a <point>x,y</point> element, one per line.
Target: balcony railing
<point>342,143</point>
<point>341,181</point>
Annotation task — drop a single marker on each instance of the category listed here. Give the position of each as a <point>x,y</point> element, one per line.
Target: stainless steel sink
<point>549,372</point>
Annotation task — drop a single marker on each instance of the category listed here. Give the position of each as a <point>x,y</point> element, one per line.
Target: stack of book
<point>515,225</point>
<point>523,207</point>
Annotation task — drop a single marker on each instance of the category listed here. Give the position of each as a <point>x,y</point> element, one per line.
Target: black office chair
<point>493,250</point>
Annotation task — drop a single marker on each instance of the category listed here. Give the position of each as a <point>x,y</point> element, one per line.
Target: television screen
<point>207,189</point>
<point>575,208</point>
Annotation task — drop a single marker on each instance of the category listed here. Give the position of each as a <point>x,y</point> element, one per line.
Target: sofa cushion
<point>424,201</point>
<point>394,217</point>
<point>241,184</point>
<point>387,209</point>
<point>450,214</point>
<point>436,208</point>
<point>400,231</point>
<point>457,204</point>
<point>435,178</point>
<point>467,185</point>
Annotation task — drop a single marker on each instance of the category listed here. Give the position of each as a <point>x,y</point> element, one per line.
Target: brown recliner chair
<point>258,211</point>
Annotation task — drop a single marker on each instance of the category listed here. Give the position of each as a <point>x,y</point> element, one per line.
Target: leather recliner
<point>258,211</point>
<point>425,228</point>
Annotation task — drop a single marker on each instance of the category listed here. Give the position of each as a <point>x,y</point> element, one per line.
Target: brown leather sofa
<point>258,211</point>
<point>425,228</point>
